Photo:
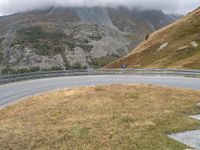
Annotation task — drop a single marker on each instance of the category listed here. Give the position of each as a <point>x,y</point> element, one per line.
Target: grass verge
<point>116,117</point>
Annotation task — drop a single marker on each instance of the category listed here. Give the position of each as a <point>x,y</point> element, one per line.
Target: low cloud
<point>169,6</point>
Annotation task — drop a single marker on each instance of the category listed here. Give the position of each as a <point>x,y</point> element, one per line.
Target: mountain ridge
<point>67,38</point>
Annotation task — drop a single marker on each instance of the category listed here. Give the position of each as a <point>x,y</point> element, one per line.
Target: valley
<point>59,38</point>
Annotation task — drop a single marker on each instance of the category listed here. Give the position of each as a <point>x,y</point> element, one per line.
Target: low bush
<point>53,69</point>
<point>9,70</point>
<point>44,42</point>
<point>78,66</point>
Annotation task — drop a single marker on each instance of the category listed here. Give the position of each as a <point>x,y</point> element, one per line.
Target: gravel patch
<point>197,117</point>
<point>163,46</point>
<point>194,44</point>
<point>190,138</point>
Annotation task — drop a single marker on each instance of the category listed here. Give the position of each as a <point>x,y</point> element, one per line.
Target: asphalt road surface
<point>13,92</point>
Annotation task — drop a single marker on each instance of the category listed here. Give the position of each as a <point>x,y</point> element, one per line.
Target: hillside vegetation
<point>175,46</point>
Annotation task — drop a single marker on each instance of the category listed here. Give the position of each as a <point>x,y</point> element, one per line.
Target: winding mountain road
<point>13,92</point>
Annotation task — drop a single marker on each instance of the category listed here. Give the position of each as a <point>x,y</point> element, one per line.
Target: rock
<point>163,46</point>
<point>194,44</point>
<point>190,138</point>
<point>197,117</point>
<point>78,55</point>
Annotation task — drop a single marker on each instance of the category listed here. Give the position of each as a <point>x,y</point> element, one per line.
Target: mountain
<point>73,38</point>
<point>174,46</point>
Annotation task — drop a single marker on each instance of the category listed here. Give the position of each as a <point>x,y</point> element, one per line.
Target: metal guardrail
<point>64,73</point>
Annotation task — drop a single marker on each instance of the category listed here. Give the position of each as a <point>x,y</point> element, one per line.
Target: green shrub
<point>1,40</point>
<point>8,70</point>
<point>66,62</point>
<point>87,48</point>
<point>58,49</point>
<point>33,34</point>
<point>78,66</point>
<point>44,42</point>
<point>1,56</point>
<point>70,44</point>
<point>38,32</point>
<point>100,62</point>
<point>96,37</point>
<point>53,69</point>
<point>35,69</point>
<point>58,35</point>
<point>42,48</point>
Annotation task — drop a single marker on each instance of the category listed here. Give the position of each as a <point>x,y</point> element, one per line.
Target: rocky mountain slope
<point>72,38</point>
<point>175,46</point>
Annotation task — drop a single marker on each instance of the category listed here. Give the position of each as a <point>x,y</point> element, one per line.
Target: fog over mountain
<point>169,6</point>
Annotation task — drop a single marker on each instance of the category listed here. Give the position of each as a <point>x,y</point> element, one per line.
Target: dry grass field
<point>116,117</point>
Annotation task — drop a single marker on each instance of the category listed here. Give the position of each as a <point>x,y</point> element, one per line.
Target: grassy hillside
<point>117,117</point>
<point>175,46</point>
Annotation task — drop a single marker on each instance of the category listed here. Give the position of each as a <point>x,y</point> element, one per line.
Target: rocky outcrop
<point>76,43</point>
<point>95,15</point>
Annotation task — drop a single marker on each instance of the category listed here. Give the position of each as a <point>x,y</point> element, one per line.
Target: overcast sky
<point>169,6</point>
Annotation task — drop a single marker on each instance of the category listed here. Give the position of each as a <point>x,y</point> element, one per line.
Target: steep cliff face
<point>138,23</point>
<point>67,38</point>
<point>95,15</point>
<point>156,18</point>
